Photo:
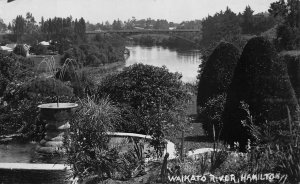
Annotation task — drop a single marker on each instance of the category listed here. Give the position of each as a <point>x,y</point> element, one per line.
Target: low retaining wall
<point>23,173</point>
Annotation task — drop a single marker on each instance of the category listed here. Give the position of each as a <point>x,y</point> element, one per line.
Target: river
<point>185,62</point>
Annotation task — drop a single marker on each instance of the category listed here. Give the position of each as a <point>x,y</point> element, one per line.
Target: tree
<point>20,50</point>
<point>3,26</point>
<point>30,23</point>
<point>19,26</point>
<point>289,28</point>
<point>216,78</point>
<point>223,25</point>
<point>151,99</point>
<point>9,27</point>
<point>261,81</point>
<point>247,22</point>
<point>117,25</point>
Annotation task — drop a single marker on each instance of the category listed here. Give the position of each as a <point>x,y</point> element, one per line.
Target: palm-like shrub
<point>87,145</point>
<point>260,80</point>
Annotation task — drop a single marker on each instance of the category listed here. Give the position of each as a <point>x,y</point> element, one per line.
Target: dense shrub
<point>260,80</point>
<point>13,67</point>
<point>293,66</point>
<point>47,87</point>
<point>211,113</point>
<point>38,49</point>
<point>87,146</point>
<point>218,72</point>
<point>213,84</point>
<point>151,98</point>
<point>20,50</point>
<point>76,54</point>
<point>99,51</point>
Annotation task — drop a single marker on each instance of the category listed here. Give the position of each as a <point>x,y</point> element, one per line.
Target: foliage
<point>79,28</point>
<point>47,87</point>
<point>223,25</point>
<point>19,112</point>
<point>87,145</point>
<point>13,68</point>
<point>213,85</point>
<point>38,49</point>
<point>100,51</point>
<point>260,80</point>
<point>293,67</point>
<point>277,147</point>
<point>151,99</point>
<point>255,24</point>
<point>20,50</point>
<point>289,25</point>
<point>19,26</point>
<point>132,162</point>
<point>210,115</point>
<point>218,72</point>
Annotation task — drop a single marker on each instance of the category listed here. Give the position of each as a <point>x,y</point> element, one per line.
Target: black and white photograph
<point>149,91</point>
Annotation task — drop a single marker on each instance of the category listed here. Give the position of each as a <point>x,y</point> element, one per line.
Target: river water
<point>185,62</point>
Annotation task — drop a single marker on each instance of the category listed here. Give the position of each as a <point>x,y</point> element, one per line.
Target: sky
<point>100,11</point>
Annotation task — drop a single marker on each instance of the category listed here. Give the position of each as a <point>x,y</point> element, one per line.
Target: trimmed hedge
<point>261,80</point>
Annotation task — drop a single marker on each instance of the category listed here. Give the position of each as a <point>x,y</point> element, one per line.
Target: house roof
<point>45,43</point>
<point>11,45</point>
<point>6,48</point>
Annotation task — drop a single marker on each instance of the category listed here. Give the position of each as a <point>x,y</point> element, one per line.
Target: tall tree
<point>247,20</point>
<point>30,23</point>
<point>3,26</point>
<point>19,27</point>
<point>223,25</point>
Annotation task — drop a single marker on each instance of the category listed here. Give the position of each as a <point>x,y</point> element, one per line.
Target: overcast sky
<point>101,10</point>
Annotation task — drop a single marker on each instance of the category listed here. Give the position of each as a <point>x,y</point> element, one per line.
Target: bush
<point>211,113</point>
<point>38,49</point>
<point>13,68</point>
<point>213,85</point>
<point>87,145</point>
<point>20,50</point>
<point>48,87</point>
<point>293,66</point>
<point>260,80</point>
<point>152,99</point>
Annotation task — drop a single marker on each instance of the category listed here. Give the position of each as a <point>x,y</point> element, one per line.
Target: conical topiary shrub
<point>260,80</point>
<point>214,82</point>
<point>218,72</point>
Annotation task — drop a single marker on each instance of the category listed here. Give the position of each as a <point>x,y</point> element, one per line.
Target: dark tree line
<point>57,28</point>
